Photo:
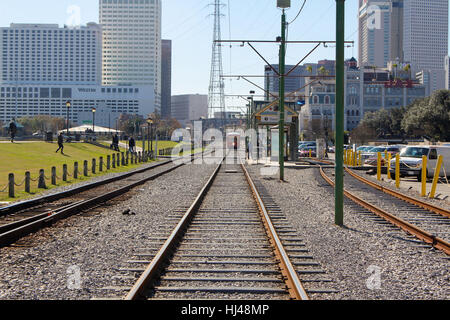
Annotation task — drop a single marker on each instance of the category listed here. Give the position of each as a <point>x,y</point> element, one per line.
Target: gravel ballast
<point>94,244</point>
<point>364,250</point>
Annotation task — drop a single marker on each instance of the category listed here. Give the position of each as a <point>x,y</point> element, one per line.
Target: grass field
<point>20,157</point>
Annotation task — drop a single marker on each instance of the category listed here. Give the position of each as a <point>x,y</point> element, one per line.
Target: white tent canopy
<point>82,129</point>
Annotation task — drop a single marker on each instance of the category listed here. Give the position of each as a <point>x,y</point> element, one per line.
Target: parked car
<point>364,148</point>
<point>373,159</point>
<point>304,144</point>
<point>373,151</point>
<point>305,151</point>
<point>411,161</point>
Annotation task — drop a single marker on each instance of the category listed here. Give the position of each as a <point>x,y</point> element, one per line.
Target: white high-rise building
<point>425,37</point>
<point>46,54</point>
<point>132,43</point>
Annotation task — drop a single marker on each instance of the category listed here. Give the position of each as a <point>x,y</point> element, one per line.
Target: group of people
<point>131,144</point>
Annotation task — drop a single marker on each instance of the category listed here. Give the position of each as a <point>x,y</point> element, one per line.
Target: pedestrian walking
<point>60,143</point>
<point>132,145</point>
<point>12,129</point>
<point>116,142</point>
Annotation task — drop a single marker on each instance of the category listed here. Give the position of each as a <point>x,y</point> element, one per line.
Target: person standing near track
<point>115,142</point>
<point>60,143</point>
<point>132,145</point>
<point>12,129</point>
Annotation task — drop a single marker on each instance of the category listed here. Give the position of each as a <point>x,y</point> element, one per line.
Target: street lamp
<point>68,108</point>
<point>150,138</point>
<point>93,119</point>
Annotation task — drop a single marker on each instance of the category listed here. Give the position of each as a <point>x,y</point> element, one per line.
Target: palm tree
<point>407,68</point>
<point>395,70</point>
<point>322,71</point>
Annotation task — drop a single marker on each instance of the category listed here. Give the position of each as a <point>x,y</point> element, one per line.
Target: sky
<point>189,24</point>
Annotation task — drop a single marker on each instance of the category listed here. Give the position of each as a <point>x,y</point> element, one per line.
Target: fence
<point>113,161</point>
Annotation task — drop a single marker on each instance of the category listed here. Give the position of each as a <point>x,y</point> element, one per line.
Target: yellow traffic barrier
<point>424,176</point>
<point>397,171</point>
<point>360,159</point>
<point>355,159</point>
<point>389,158</point>
<point>378,166</point>
<point>437,170</point>
<point>310,153</point>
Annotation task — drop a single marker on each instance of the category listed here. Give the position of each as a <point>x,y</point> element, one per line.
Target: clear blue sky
<point>189,25</point>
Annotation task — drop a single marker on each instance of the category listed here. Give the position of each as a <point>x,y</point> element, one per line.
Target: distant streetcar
<point>233,140</point>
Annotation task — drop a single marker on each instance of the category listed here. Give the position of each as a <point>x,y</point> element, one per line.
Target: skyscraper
<point>425,37</point>
<point>166,78</point>
<point>380,32</point>
<point>132,43</point>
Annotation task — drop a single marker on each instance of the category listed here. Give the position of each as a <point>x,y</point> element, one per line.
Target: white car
<point>411,161</point>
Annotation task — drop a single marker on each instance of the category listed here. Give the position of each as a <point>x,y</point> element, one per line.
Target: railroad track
<point>426,222</point>
<point>225,246</point>
<point>23,218</point>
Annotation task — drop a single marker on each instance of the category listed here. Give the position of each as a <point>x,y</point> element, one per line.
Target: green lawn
<point>20,157</point>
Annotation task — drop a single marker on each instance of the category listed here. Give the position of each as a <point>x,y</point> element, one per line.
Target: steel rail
<point>294,285</point>
<point>37,201</point>
<point>16,230</point>
<point>152,271</point>
<point>409,199</point>
<point>424,236</point>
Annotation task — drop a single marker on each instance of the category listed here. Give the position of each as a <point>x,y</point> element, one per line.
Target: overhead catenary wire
<point>298,14</point>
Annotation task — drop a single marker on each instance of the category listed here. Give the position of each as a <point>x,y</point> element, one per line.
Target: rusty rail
<point>424,236</point>
<point>294,285</point>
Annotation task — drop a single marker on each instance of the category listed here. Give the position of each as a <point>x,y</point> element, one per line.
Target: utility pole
<point>339,171</point>
<point>281,94</point>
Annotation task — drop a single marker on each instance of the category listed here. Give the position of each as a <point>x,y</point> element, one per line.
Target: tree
<point>41,123</point>
<point>429,116</point>
<point>379,121</point>
<point>323,71</point>
<point>362,134</point>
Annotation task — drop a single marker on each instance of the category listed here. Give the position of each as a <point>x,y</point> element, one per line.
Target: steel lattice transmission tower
<point>216,96</point>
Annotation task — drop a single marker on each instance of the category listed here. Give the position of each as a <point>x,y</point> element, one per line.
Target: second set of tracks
<point>424,221</point>
<point>23,218</point>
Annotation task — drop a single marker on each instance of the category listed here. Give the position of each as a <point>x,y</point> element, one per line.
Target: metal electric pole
<point>281,93</point>
<point>339,173</point>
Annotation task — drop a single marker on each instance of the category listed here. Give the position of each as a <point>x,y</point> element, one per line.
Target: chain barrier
<point>445,175</point>
<point>20,184</point>
<point>4,189</point>
<point>89,170</point>
<point>406,165</point>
